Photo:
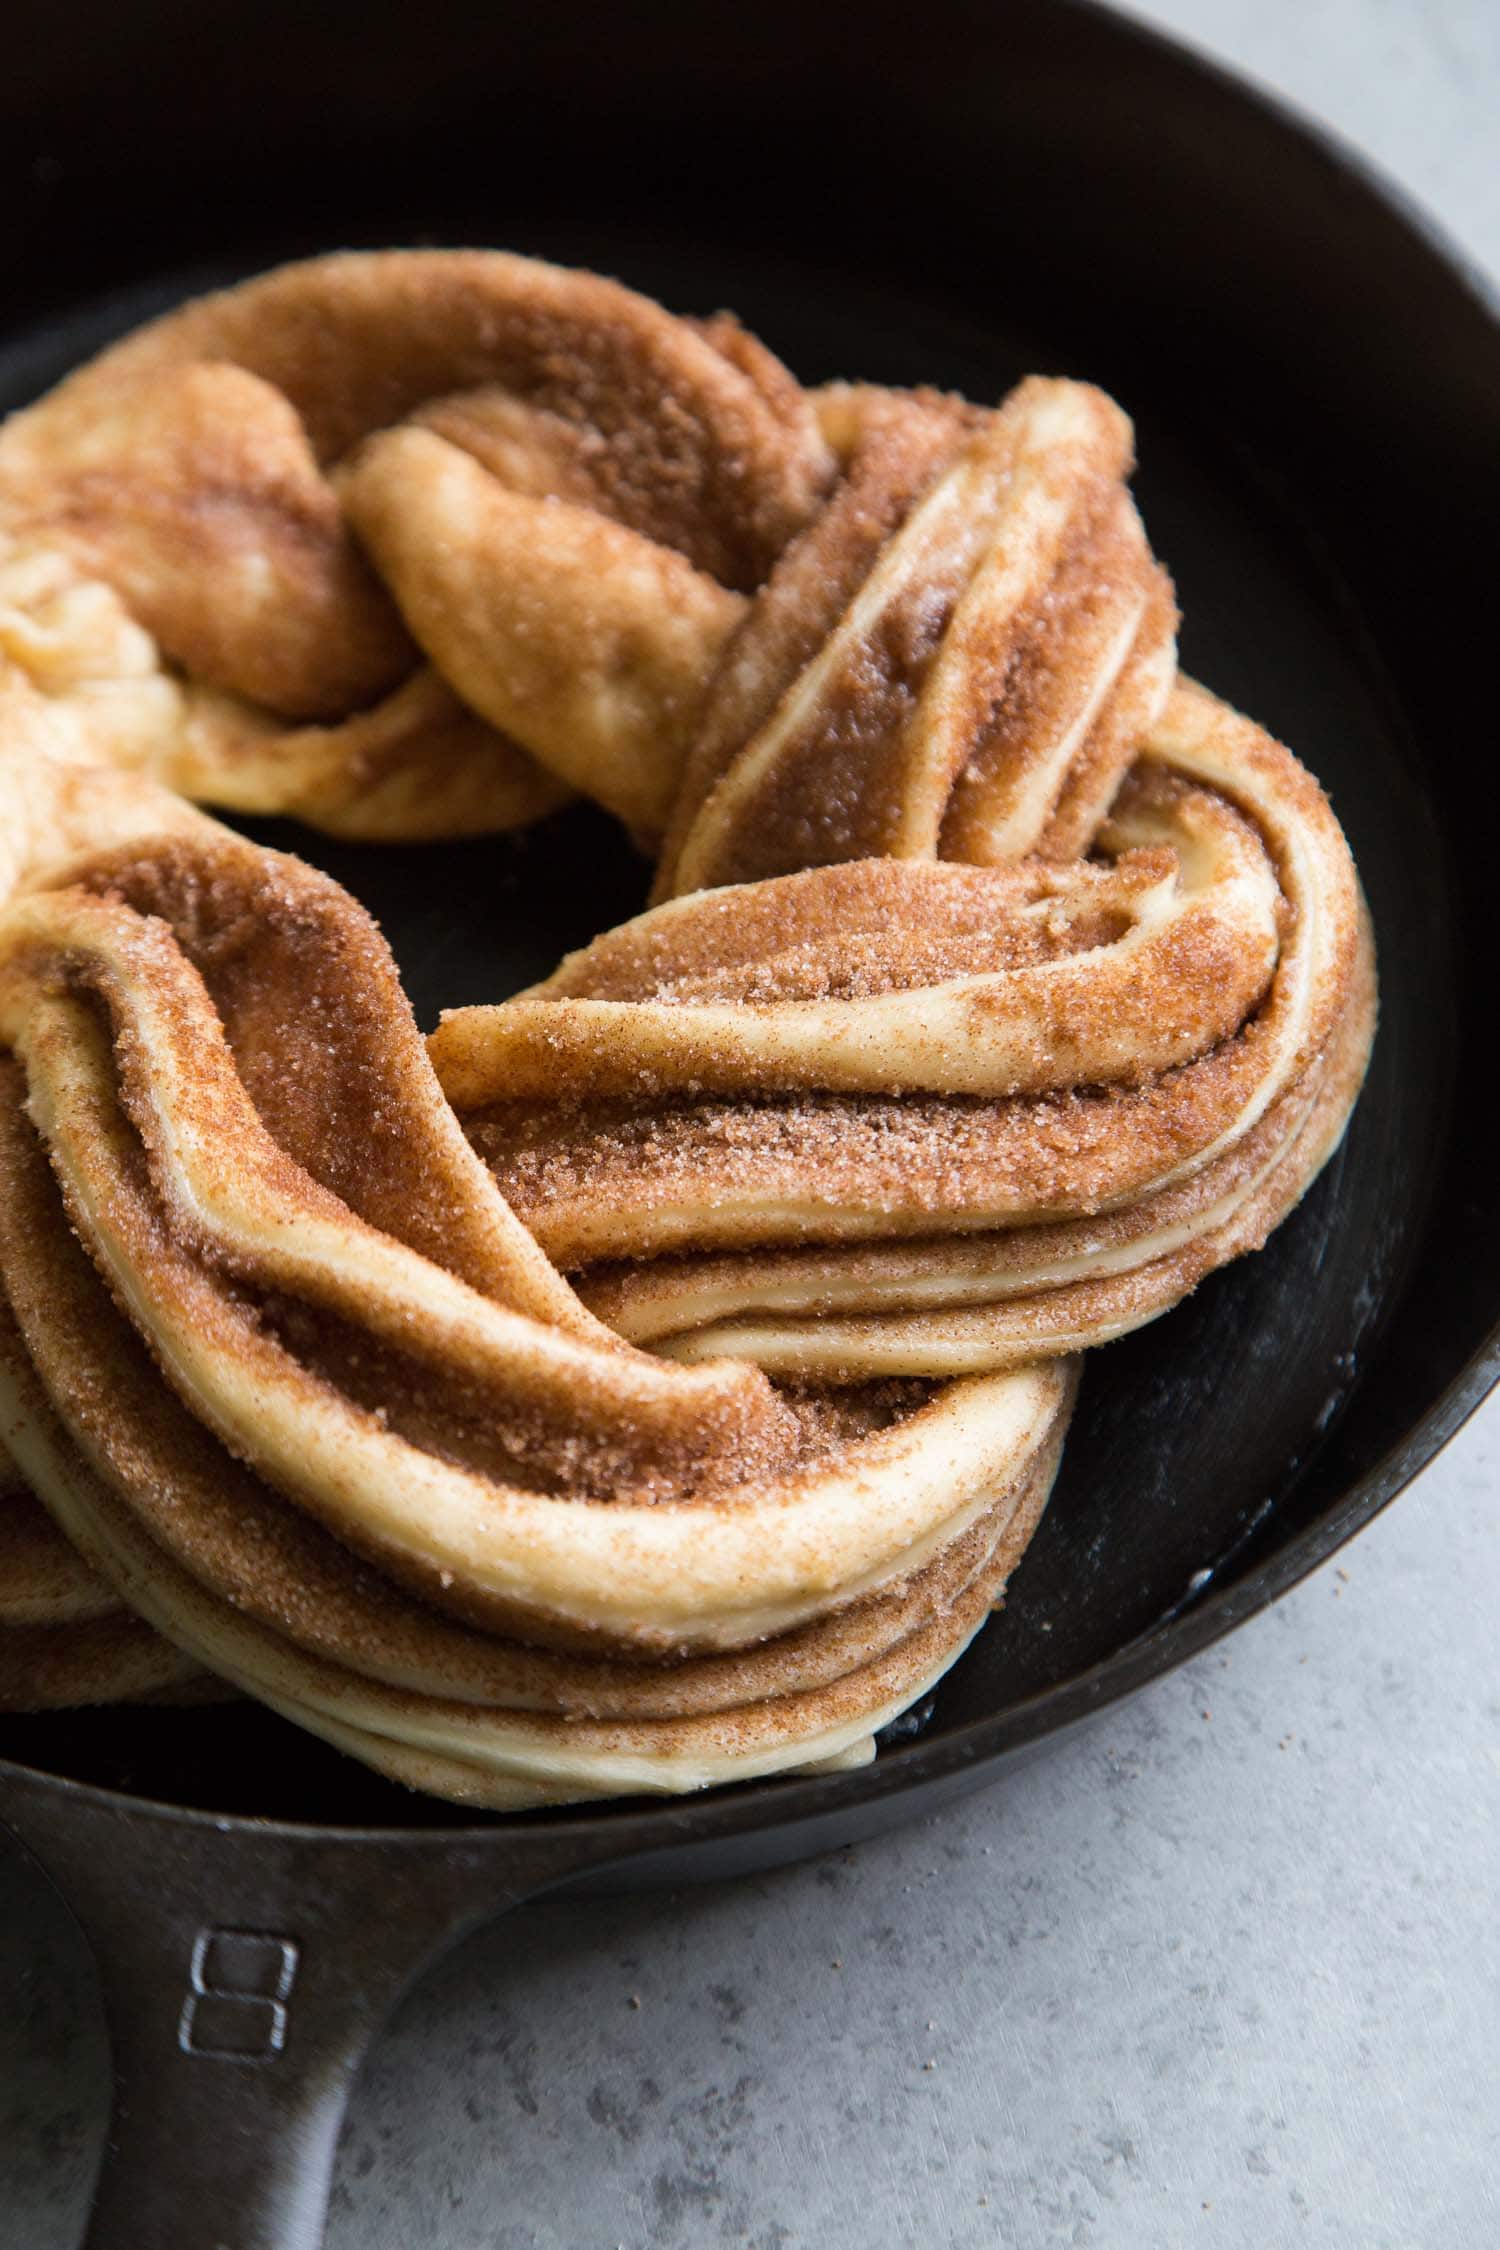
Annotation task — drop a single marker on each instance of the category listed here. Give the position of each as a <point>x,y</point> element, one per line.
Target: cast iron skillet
<point>955,193</point>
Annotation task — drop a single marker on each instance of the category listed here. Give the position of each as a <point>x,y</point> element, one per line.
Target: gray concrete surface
<point>1225,1973</point>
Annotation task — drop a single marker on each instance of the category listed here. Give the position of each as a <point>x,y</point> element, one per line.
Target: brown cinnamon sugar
<point>1000,986</point>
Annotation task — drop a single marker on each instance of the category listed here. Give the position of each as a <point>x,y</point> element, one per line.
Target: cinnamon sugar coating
<point>959,655</point>
<point>205,555</point>
<point>283,1335</point>
<point>66,1638</point>
<point>652,1380</point>
<point>938,1118</point>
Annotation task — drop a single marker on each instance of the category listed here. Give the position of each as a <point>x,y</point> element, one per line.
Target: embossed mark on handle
<point>239,1983</point>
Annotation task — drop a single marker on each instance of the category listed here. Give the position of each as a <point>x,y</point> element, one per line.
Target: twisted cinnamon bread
<point>997,989</point>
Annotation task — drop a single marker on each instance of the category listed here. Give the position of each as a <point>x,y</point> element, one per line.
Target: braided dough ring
<point>894,1101</point>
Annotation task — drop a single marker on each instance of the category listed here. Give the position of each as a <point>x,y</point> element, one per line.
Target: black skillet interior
<point>1314,392</point>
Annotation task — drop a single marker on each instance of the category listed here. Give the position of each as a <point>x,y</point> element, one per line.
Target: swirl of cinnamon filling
<point>308,1394</point>
<point>959,656</point>
<point>940,1118</point>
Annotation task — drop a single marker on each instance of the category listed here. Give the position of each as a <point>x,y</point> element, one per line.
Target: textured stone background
<point>1226,1972</point>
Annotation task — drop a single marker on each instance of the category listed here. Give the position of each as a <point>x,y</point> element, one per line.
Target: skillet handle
<point>244,1972</point>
